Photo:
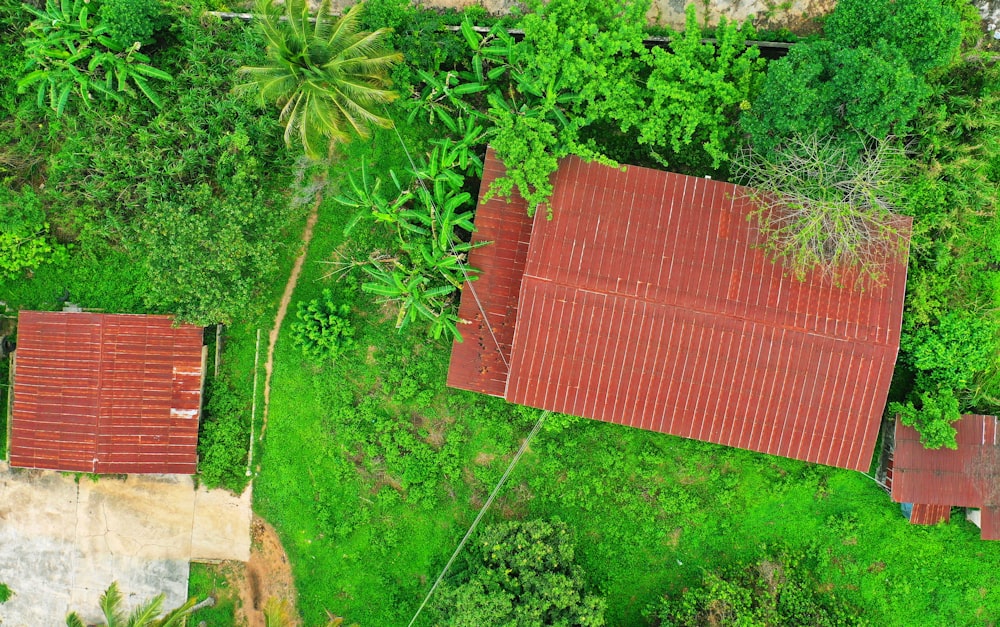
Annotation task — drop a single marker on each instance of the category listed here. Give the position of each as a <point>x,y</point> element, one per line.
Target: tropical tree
<point>144,615</point>
<point>520,573</point>
<point>327,76</point>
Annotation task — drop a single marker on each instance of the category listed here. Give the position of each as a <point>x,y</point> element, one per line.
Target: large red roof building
<point>646,301</point>
<point>935,480</point>
<point>106,393</point>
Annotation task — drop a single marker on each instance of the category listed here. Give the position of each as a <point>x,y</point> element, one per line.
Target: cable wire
<point>482,512</point>
<point>527,440</point>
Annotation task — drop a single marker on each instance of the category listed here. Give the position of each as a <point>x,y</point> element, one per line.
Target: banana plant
<point>412,291</point>
<point>69,52</point>
<point>371,203</point>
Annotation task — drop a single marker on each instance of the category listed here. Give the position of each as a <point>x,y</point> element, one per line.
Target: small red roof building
<point>935,480</point>
<point>106,393</point>
<point>647,301</point>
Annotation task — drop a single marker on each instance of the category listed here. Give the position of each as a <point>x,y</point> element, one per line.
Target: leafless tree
<point>823,207</point>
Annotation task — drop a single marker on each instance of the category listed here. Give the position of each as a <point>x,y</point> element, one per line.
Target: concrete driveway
<point>63,541</point>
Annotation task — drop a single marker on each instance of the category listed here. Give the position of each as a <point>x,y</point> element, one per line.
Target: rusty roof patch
<point>968,476</point>
<point>106,393</point>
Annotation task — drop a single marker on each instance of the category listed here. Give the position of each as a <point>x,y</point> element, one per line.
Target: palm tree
<point>145,615</point>
<point>327,77</point>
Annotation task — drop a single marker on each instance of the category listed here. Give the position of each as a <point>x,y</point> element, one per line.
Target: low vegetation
<point>191,202</point>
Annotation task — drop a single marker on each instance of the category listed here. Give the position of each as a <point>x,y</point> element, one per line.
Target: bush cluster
<point>225,437</point>
<point>323,328</point>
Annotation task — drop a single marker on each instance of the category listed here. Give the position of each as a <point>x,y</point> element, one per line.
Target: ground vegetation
<point>371,468</point>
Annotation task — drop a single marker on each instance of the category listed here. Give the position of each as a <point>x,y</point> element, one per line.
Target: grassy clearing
<point>211,580</point>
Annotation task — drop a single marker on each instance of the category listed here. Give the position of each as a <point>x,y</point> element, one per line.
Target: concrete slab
<point>221,524</point>
<point>63,540</point>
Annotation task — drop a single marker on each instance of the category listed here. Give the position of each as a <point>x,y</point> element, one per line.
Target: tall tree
<point>328,77</point>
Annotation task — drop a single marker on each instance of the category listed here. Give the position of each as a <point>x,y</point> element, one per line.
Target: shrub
<point>952,352</point>
<point>773,591</point>
<point>5,593</point>
<point>522,573</point>
<point>130,21</point>
<point>208,252</point>
<point>822,89</point>
<point>927,33</point>
<point>225,438</point>
<point>931,413</point>
<point>323,329</point>
<point>24,242</point>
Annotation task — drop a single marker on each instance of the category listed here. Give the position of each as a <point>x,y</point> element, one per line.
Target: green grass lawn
<point>372,471</point>
<point>210,580</point>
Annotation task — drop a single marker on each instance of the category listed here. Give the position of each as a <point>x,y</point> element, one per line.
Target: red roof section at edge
<point>106,393</point>
<point>644,302</point>
<point>966,477</point>
<point>506,228</point>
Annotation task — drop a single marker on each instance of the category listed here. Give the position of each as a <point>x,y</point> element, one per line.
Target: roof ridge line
<point>699,310</point>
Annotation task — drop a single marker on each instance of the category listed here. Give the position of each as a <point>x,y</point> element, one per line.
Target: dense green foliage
<point>130,21</point>
<point>328,77</point>
<point>224,440</point>
<point>868,77</point>
<point>950,342</point>
<point>773,591</point>
<point>70,52</point>
<point>25,242</point>
<point>582,83</point>
<point>5,593</point>
<point>175,209</point>
<point>322,328</point>
<point>927,34</point>
<point>520,573</point>
<point>825,89</point>
<point>693,94</point>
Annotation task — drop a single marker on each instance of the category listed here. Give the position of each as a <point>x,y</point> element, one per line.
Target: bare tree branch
<point>822,208</point>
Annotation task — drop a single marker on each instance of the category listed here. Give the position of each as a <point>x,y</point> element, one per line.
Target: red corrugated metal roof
<point>106,393</point>
<point>966,477</point>
<point>507,228</point>
<point>924,514</point>
<point>990,521</point>
<point>645,302</point>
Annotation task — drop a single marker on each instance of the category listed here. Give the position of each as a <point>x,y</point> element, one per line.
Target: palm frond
<point>325,77</point>
<point>345,27</point>
<point>111,605</point>
<point>177,617</point>
<point>144,614</point>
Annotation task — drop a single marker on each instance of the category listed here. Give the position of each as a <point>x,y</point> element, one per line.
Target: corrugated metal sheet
<point>476,364</point>
<point>966,477</point>
<point>990,520</point>
<point>924,514</point>
<point>106,393</point>
<point>645,302</point>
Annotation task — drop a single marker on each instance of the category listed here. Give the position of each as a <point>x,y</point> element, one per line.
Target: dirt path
<point>286,298</point>
<point>267,577</point>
